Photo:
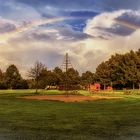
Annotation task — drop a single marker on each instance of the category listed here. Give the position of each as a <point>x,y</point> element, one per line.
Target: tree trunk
<point>133,86</point>
<point>36,92</point>
<point>104,86</point>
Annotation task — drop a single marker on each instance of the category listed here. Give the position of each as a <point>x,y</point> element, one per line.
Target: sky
<point>44,30</point>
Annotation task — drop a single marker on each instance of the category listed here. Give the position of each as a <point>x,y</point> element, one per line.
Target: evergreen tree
<point>12,77</point>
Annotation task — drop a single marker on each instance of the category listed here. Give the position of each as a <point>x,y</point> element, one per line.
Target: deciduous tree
<point>35,73</point>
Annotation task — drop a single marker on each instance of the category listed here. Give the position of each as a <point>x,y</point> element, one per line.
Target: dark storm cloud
<point>133,17</point>
<point>129,17</point>
<point>120,30</point>
<point>117,30</point>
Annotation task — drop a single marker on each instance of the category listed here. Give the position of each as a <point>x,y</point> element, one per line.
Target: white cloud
<point>48,45</point>
<point>103,21</point>
<point>102,49</point>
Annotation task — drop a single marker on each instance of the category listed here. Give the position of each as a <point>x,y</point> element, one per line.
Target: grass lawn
<point>22,119</point>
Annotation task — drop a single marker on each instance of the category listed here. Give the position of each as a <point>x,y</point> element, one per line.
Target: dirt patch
<point>70,98</point>
<point>105,97</point>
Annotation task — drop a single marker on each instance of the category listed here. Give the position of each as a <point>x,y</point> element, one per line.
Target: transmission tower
<point>65,66</point>
<point>66,63</point>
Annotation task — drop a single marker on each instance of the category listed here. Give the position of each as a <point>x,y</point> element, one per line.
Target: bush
<point>131,92</point>
<point>127,92</point>
<point>3,85</point>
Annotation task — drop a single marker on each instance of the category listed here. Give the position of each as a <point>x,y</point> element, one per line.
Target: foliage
<point>72,76</point>
<point>120,70</point>
<point>13,78</point>
<point>59,74</point>
<point>87,78</point>
<point>35,73</point>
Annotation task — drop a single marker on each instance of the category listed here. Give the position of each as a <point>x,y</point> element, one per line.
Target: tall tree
<point>132,73</point>
<point>58,73</point>
<point>87,78</point>
<point>1,75</point>
<point>72,77</point>
<point>2,80</point>
<point>35,72</point>
<point>51,78</point>
<point>102,74</point>
<point>43,78</point>
<point>12,77</point>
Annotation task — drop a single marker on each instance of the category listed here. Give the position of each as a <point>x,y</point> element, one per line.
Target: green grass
<point>22,119</point>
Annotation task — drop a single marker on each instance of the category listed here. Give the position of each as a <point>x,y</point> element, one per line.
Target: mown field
<point>22,119</point>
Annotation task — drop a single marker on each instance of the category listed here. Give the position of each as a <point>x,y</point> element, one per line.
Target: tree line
<point>120,71</point>
<point>39,77</point>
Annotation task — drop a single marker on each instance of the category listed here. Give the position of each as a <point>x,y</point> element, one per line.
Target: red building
<point>109,88</point>
<point>94,87</point>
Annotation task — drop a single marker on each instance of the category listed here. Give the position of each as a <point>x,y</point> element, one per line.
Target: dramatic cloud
<point>116,38</point>
<point>114,23</point>
<point>90,31</point>
<point>25,26</point>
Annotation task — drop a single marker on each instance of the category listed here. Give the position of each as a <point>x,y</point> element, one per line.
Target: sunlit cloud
<point>6,36</point>
<point>89,37</point>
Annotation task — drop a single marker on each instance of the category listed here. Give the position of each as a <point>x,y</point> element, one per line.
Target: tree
<point>116,69</point>
<point>43,78</point>
<point>132,73</point>
<point>22,84</point>
<point>1,75</point>
<point>102,74</point>
<point>35,72</point>
<point>58,73</point>
<point>138,66</point>
<point>12,77</point>
<point>47,77</point>
<point>121,70</point>
<point>87,78</point>
<point>72,78</point>
<point>2,80</point>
